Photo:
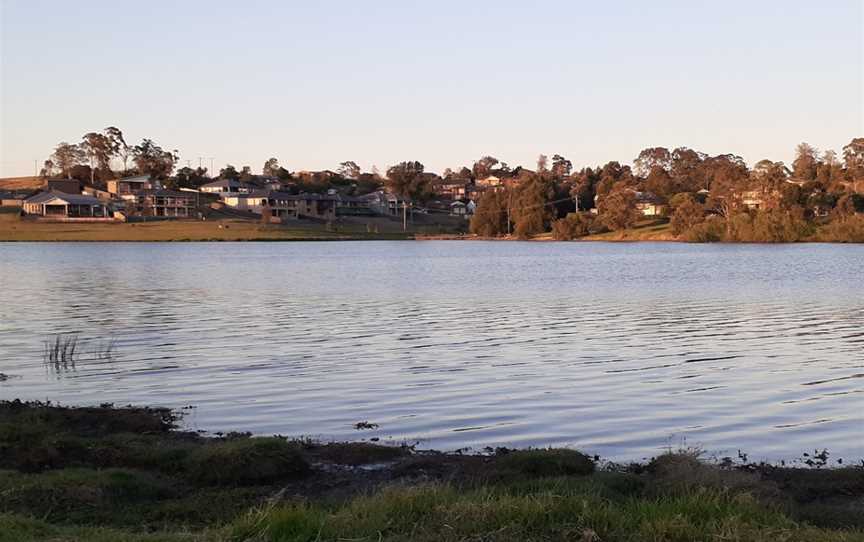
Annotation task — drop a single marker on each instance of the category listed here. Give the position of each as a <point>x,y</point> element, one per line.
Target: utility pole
<point>404,216</point>
<point>211,167</point>
<point>509,204</point>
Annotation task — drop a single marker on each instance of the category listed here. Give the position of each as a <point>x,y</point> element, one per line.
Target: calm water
<point>617,349</point>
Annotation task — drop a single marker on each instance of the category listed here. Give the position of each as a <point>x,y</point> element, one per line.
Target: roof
<point>253,194</point>
<point>171,193</point>
<point>72,199</point>
<point>134,179</point>
<point>222,182</point>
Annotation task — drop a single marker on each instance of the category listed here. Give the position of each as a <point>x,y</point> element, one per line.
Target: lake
<point>617,349</point>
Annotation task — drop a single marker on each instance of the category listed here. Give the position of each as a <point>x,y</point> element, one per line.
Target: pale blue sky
<point>316,83</point>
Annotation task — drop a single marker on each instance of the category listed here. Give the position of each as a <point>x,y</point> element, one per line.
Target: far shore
<point>15,229</point>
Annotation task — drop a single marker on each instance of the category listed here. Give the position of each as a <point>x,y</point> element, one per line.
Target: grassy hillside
<point>20,183</point>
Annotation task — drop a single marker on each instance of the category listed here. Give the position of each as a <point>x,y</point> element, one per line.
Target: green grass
<point>127,474</point>
<point>553,509</point>
<point>645,230</point>
<point>17,528</point>
<point>14,229</point>
<point>246,461</point>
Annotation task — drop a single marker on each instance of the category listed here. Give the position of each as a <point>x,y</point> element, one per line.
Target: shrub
<point>572,226</point>
<point>688,213</point>
<point>845,230</point>
<point>711,230</point>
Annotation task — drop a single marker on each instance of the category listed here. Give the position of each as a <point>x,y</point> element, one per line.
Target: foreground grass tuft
<point>246,461</point>
<point>555,510</point>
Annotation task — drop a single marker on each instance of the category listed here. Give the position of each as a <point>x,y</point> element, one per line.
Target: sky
<point>445,82</point>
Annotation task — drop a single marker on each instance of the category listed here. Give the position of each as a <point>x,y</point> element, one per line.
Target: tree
<point>561,167</point>
<point>271,168</point>
<point>186,177</point>
<point>349,170</point>
<point>806,162</point>
<point>118,144</point>
<point>542,163</point>
<point>769,177</point>
<point>99,149</point>
<point>853,156</point>
<point>688,213</point>
<point>617,209</point>
<point>661,184</point>
<point>650,158</point>
<point>66,156</point>
<point>152,160</point>
<point>47,168</point>
<point>531,211</point>
<point>483,167</point>
<point>407,181</point>
<point>726,175</point>
<point>687,170</point>
<point>230,173</point>
<point>490,217</point>
<point>611,175</point>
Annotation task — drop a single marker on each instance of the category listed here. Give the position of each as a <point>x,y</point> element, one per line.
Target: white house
<point>226,186</point>
<point>65,206</point>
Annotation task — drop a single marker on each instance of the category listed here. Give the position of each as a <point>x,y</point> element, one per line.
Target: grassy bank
<point>645,230</point>
<point>12,228</point>
<point>127,474</point>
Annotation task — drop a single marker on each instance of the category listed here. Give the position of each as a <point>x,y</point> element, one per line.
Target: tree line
<point>704,197</point>
<point>90,159</point>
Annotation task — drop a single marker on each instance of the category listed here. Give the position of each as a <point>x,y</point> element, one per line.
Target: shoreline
<point>128,473</point>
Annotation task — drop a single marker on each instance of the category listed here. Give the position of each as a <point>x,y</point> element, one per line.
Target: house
<point>451,189</point>
<point>66,186</point>
<point>649,204</point>
<point>488,182</point>
<point>319,206</point>
<point>753,199</point>
<point>96,193</point>
<point>386,203</point>
<point>163,203</point>
<point>65,206</point>
<point>226,186</point>
<point>460,208</point>
<point>253,201</point>
<point>129,185</point>
<point>10,199</point>
<point>284,205</point>
<point>352,206</point>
